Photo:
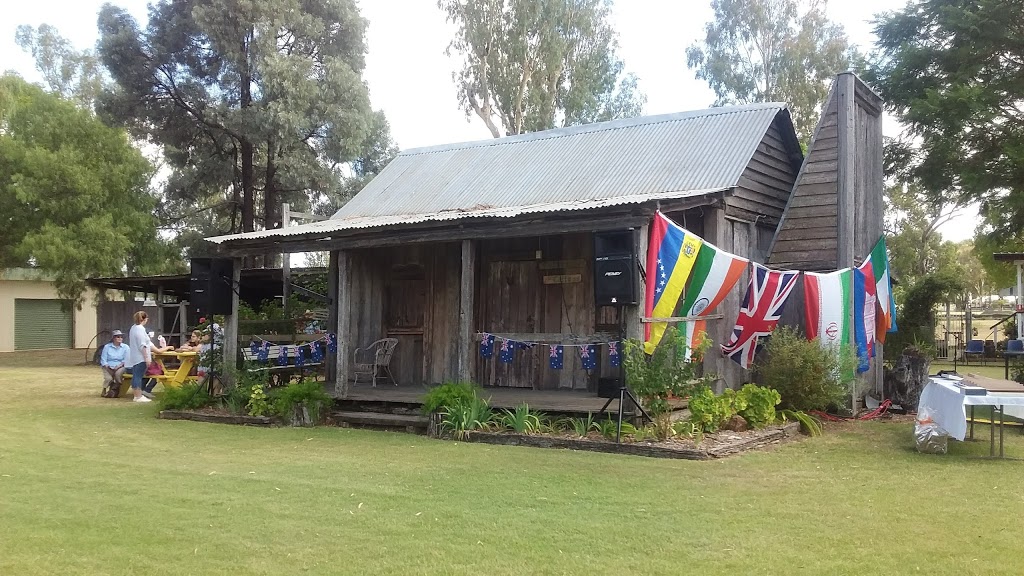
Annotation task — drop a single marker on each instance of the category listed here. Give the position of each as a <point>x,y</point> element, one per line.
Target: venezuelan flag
<point>671,254</point>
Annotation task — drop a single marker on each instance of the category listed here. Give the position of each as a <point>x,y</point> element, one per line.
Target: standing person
<point>112,361</point>
<point>139,355</point>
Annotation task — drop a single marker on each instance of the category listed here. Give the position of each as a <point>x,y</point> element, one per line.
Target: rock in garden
<point>736,424</point>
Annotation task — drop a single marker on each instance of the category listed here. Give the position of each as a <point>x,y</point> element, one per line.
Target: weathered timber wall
<point>807,236</point>
<point>765,185</point>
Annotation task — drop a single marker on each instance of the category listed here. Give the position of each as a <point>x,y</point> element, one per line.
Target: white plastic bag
<point>929,436</point>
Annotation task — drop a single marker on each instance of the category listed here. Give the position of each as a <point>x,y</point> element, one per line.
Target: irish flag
<point>671,254</point>
<point>714,275</point>
<point>827,302</point>
<point>883,290</point>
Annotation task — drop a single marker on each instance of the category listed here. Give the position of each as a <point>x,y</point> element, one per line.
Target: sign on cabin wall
<point>563,279</point>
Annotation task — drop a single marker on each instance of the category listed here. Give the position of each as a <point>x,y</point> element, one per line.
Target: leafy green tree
<point>952,72</point>
<point>530,65</point>
<point>249,100</point>
<point>74,197</point>
<point>73,74</point>
<point>912,221</point>
<point>772,50</point>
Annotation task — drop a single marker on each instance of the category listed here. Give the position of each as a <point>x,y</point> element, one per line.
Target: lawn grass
<point>95,486</point>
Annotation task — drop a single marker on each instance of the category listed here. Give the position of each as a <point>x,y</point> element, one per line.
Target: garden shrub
<point>708,412</point>
<point>448,395</point>
<point>663,374</point>
<point>806,375</point>
<point>759,405</point>
<point>465,415</point>
<point>307,393</point>
<point>188,396</point>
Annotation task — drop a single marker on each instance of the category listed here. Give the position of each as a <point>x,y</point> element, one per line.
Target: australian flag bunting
<point>264,354</point>
<point>588,356</point>
<point>614,358</point>
<point>508,351</point>
<point>487,345</point>
<point>282,357</point>
<point>332,342</point>
<point>318,353</point>
<point>300,356</point>
<point>556,357</point>
<point>254,347</point>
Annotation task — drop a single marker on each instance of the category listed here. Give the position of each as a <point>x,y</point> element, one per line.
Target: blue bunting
<point>282,357</point>
<point>614,356</point>
<point>588,356</point>
<point>487,345</point>
<point>556,357</point>
<point>332,342</point>
<point>508,353</point>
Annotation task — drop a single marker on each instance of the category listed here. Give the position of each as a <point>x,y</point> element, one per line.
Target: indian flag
<point>714,274</point>
<point>827,302</point>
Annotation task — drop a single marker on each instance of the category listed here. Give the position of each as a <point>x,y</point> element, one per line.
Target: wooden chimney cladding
<point>807,238</point>
<point>765,185</point>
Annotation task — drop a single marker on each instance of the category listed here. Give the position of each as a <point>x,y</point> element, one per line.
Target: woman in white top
<point>139,355</point>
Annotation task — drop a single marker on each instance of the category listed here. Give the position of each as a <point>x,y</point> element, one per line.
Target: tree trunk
<point>903,383</point>
<point>248,186</point>
<point>271,204</point>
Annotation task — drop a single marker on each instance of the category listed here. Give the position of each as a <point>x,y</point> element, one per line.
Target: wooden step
<point>408,421</point>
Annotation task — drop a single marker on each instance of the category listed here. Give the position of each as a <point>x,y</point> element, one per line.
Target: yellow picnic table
<point>171,377</point>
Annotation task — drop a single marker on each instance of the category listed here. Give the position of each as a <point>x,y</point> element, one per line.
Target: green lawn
<point>94,486</point>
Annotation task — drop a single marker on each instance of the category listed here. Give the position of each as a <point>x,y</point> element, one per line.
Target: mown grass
<point>94,486</point>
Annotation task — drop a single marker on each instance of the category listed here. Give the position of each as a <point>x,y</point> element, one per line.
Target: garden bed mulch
<point>718,445</point>
<point>217,417</point>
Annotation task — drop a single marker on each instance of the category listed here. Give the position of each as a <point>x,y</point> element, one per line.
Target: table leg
<point>972,422</point>
<point>992,434</point>
<point>1000,430</point>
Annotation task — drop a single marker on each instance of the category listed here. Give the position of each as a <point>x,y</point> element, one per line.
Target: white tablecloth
<point>946,403</point>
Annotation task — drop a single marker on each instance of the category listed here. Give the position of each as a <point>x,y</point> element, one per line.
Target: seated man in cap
<point>112,361</point>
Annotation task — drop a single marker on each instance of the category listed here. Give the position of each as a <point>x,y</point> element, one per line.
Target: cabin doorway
<point>404,304</point>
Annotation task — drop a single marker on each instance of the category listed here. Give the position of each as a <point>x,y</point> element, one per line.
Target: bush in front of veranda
<point>806,375</point>
<point>449,395</point>
<point>188,396</point>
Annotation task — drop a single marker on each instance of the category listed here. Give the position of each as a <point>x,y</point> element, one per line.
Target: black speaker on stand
<point>614,268</point>
<point>210,285</point>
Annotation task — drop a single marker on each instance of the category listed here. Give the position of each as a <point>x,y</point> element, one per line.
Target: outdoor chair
<point>975,348</point>
<point>1015,346</point>
<point>373,358</point>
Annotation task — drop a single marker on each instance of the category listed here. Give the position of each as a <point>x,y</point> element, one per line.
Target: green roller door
<point>40,324</point>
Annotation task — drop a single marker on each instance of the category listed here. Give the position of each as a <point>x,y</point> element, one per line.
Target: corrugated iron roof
<point>625,161</point>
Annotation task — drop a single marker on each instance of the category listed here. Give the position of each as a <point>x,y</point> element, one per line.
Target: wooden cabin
<point>497,236</point>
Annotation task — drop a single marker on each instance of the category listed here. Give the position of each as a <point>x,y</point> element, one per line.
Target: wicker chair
<point>371,359</point>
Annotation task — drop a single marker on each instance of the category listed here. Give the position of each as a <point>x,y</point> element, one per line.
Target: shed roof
<point>612,163</point>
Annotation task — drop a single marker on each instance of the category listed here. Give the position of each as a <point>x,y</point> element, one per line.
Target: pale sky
<point>410,77</point>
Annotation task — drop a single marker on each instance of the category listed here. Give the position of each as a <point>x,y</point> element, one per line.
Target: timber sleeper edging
<point>217,418</point>
<point>651,450</point>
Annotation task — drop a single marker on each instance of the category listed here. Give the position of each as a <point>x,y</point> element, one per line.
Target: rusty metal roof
<point>625,161</point>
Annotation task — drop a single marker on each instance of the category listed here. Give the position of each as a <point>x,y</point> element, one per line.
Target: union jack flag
<point>762,307</point>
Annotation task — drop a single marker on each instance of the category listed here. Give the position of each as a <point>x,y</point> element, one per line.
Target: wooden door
<point>405,301</point>
<point>512,306</point>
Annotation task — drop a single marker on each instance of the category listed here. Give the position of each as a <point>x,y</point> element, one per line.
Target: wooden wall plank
<point>467,288</point>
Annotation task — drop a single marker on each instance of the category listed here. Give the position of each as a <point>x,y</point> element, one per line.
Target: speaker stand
<point>624,393</point>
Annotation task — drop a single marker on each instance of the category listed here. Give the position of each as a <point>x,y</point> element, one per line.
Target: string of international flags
<point>683,266</point>
<point>861,296</point>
